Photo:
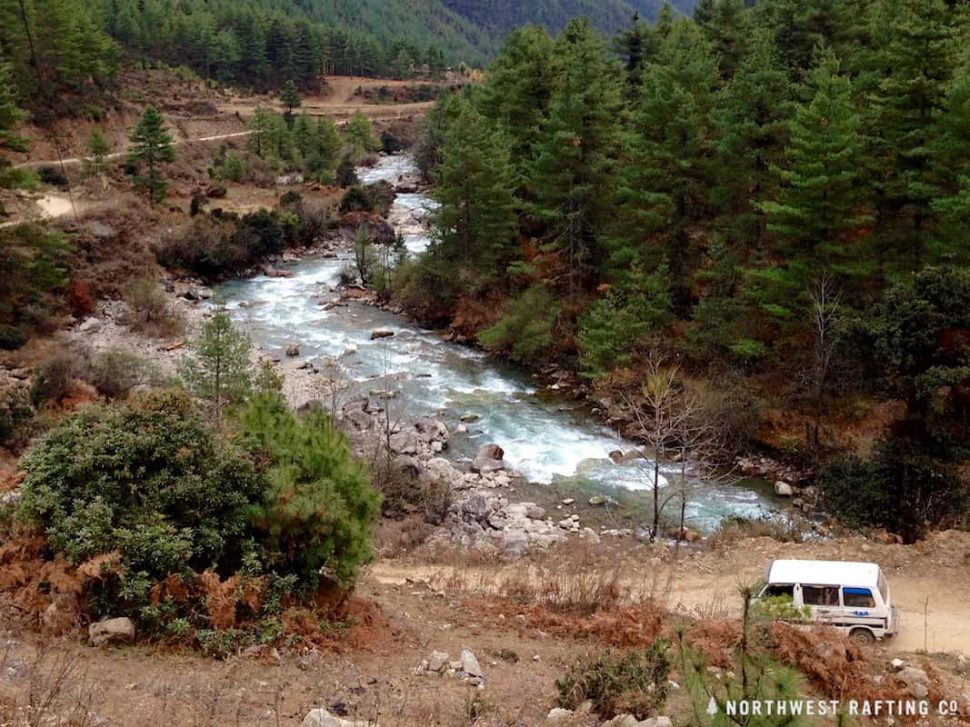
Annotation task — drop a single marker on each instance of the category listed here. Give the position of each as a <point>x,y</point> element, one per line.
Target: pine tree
<point>220,371</point>
<point>290,98</point>
<point>518,87</point>
<point>917,61</point>
<point>10,116</point>
<point>752,115</point>
<point>574,169</point>
<point>822,201</point>
<point>636,46</point>
<point>316,516</point>
<point>664,185</point>
<point>360,135</point>
<point>260,125</point>
<point>151,145</point>
<point>475,222</point>
<point>98,149</point>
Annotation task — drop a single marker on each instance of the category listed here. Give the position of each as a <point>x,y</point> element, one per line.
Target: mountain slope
<point>498,17</point>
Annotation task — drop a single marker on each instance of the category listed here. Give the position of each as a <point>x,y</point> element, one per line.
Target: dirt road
<point>928,581</point>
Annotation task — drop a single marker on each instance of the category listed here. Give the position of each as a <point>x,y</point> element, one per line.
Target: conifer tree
<point>98,148</point>
<point>360,135</point>
<point>220,371</point>
<point>574,169</point>
<point>10,116</point>
<point>290,98</point>
<point>821,202</point>
<point>475,222</point>
<point>151,145</point>
<point>260,125</point>
<point>821,199</point>
<point>518,88</point>
<point>917,62</point>
<point>753,110</point>
<point>664,185</point>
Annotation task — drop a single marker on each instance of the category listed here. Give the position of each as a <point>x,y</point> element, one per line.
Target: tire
<point>862,637</point>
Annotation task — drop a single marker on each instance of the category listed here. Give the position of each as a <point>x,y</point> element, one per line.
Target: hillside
<point>501,16</point>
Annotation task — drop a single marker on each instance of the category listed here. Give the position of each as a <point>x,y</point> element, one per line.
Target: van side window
<point>820,595</point>
<point>858,598</point>
<point>775,589</point>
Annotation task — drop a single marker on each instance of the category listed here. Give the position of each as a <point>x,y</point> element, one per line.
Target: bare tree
<point>824,312</point>
<point>678,427</point>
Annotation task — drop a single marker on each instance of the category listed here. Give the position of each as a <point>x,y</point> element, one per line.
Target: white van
<point>852,597</point>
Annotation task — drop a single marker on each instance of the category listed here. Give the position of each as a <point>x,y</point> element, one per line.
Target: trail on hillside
<point>122,154</point>
<point>926,583</point>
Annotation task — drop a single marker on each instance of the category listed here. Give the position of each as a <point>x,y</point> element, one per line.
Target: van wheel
<point>861,637</point>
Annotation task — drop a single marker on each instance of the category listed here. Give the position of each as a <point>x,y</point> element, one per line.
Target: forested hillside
<point>775,196</point>
<point>501,16</point>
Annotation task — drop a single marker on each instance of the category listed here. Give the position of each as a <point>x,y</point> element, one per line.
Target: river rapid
<point>546,437</point>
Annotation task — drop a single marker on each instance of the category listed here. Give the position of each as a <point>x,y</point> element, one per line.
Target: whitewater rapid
<point>546,437</point>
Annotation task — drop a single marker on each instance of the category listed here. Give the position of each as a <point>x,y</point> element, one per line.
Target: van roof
<point>824,572</point>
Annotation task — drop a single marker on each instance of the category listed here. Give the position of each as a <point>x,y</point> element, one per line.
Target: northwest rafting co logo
<point>833,707</point>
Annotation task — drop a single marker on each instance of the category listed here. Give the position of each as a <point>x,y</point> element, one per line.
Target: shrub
<point>53,380</point>
<point>316,515</point>
<point>633,682</point>
<point>151,307</point>
<point>52,176</point>
<point>902,488</point>
<point>356,199</point>
<point>15,408</point>
<point>525,328</point>
<point>11,337</point>
<point>148,479</point>
<point>234,168</point>
<point>346,175</point>
<point>114,373</point>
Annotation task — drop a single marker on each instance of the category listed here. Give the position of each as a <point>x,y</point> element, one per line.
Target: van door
<point>860,606</point>
<point>824,601</point>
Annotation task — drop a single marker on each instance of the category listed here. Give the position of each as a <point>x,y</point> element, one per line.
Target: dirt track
<point>705,583</point>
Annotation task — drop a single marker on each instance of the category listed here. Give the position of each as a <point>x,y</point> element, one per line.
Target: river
<point>548,438</point>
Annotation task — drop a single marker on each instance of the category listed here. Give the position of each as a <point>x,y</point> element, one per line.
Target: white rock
<point>469,664</point>
<point>111,631</point>
<point>321,717</point>
<point>897,664</point>
<point>90,325</point>
<point>783,489</point>
<point>558,715</point>
<point>437,661</point>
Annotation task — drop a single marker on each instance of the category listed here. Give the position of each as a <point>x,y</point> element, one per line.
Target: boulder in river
<point>783,489</point>
<point>381,333</point>
<point>292,350</point>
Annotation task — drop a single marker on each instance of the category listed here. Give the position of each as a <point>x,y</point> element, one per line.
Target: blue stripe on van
<point>857,591</point>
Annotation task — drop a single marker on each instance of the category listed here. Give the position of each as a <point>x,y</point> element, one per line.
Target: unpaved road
<point>124,153</point>
<point>931,576</point>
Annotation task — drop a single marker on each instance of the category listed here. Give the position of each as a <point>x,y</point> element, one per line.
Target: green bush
<point>11,338</point>
<point>148,478</point>
<point>903,487</point>
<point>114,373</point>
<point>15,410</point>
<point>525,328</point>
<point>316,514</point>
<point>234,168</point>
<point>53,380</point>
<point>632,682</point>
